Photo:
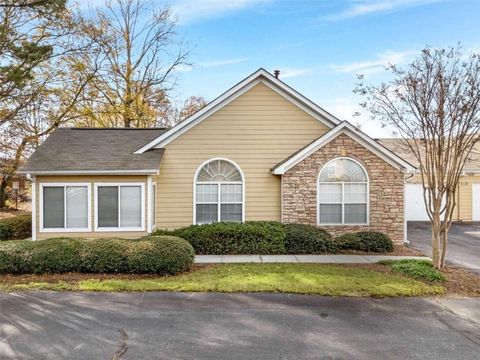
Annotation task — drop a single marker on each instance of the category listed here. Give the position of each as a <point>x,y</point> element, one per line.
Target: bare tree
<point>141,58</point>
<point>434,105</point>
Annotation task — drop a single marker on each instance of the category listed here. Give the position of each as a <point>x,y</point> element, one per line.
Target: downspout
<point>405,226</point>
<point>34,205</point>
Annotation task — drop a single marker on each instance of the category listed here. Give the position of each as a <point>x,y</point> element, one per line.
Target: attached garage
<point>414,203</point>
<point>476,201</point>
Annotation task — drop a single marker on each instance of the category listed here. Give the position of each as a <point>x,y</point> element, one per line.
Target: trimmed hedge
<point>251,237</point>
<point>158,255</point>
<point>270,237</point>
<point>308,239</point>
<point>16,228</point>
<point>365,241</point>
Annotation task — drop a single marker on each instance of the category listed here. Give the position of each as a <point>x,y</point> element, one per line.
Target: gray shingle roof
<point>95,150</point>
<point>399,147</point>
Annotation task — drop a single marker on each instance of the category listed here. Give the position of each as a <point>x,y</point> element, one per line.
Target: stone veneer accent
<point>299,187</point>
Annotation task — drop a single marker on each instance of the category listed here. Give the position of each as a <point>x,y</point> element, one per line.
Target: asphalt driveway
<point>62,325</point>
<point>463,242</point>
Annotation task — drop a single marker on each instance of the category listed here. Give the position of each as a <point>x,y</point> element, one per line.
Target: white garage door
<point>476,202</point>
<point>414,204</point>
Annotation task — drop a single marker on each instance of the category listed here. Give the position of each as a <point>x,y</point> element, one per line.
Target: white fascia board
<point>92,172</point>
<point>237,90</point>
<point>361,138</point>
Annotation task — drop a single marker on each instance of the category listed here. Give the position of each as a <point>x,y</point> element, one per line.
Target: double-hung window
<point>343,193</point>
<point>219,193</point>
<point>64,207</point>
<point>119,207</point>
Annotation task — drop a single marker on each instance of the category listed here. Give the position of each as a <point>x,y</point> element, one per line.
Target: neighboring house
<point>260,151</point>
<point>468,192</point>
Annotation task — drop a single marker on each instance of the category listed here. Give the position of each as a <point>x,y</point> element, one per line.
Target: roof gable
<point>355,134</point>
<point>260,76</point>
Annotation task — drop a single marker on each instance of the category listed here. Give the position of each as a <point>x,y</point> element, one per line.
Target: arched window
<point>219,192</point>
<point>342,193</point>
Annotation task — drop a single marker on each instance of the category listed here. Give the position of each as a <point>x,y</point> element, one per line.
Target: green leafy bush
<point>159,255</point>
<point>307,239</point>
<point>365,241</point>
<point>14,228</point>
<point>417,269</point>
<point>251,237</point>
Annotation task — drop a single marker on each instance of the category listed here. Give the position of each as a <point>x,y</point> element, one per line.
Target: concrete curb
<point>316,259</point>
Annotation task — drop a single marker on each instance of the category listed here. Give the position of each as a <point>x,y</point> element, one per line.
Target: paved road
<point>463,242</point>
<point>49,325</point>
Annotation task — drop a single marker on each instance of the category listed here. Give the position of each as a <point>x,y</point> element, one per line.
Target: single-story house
<point>468,192</point>
<point>260,151</point>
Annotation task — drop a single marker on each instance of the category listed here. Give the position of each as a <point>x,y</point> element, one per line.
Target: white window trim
<point>65,229</point>
<point>154,204</point>
<point>218,202</point>
<point>119,228</point>
<point>367,223</point>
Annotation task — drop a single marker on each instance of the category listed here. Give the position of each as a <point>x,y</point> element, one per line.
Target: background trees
<point>59,66</point>
<point>434,106</point>
<point>141,54</point>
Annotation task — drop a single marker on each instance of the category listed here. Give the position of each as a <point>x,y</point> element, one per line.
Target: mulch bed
<point>461,282</point>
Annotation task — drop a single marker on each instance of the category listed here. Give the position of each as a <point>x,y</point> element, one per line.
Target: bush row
<point>16,228</point>
<point>269,237</point>
<point>157,254</point>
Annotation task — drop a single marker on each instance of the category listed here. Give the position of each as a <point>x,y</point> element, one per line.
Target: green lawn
<point>317,279</point>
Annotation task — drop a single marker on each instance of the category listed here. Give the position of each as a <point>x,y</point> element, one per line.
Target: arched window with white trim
<point>343,189</point>
<point>219,192</point>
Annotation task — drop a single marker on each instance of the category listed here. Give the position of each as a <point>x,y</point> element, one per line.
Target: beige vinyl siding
<point>92,180</point>
<point>257,130</point>
<point>465,196</point>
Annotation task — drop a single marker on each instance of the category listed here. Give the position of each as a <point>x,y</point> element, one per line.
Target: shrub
<point>18,227</point>
<point>251,237</point>
<point>105,256</point>
<point>160,255</point>
<point>418,269</point>
<point>307,239</point>
<point>366,241</point>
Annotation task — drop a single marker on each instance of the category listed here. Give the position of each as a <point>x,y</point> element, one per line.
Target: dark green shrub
<point>105,256</point>
<point>160,255</point>
<point>307,239</point>
<point>16,228</point>
<point>251,237</point>
<point>370,241</point>
<point>418,269</point>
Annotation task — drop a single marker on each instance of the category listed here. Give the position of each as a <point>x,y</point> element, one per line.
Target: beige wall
<point>463,210</point>
<point>257,130</point>
<point>92,180</point>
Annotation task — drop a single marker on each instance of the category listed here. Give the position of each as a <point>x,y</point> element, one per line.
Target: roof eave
<point>90,172</point>
<point>346,128</point>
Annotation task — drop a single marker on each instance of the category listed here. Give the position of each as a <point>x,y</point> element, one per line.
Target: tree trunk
<point>436,240</point>
<point>3,195</point>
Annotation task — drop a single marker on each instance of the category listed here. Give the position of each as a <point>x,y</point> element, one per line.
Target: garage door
<point>414,204</point>
<point>476,202</point>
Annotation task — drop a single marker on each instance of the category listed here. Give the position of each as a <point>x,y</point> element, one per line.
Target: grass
<point>332,280</point>
<point>417,269</point>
